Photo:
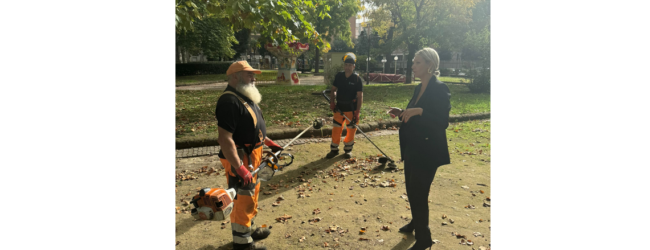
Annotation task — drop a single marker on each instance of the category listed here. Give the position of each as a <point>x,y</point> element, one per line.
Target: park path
<point>306,80</point>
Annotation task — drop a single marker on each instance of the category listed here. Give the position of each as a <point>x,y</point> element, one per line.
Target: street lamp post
<point>367,70</point>
<point>395,64</point>
<point>383,65</point>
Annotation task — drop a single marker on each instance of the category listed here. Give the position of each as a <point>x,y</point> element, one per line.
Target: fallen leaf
<point>436,241</point>
<point>287,236</point>
<point>444,216</point>
<point>275,204</point>
<point>485,204</point>
<point>364,239</point>
<point>465,187</point>
<point>178,242</point>
<point>263,225</point>
<point>469,242</point>
<point>325,244</point>
<point>444,223</point>
<point>477,234</point>
<point>316,211</point>
<point>385,228</point>
<point>451,221</point>
<point>482,191</point>
<point>302,239</point>
<point>267,193</point>
<point>283,218</point>
<point>460,236</point>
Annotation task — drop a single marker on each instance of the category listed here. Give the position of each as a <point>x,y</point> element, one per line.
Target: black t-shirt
<point>347,87</point>
<point>233,116</point>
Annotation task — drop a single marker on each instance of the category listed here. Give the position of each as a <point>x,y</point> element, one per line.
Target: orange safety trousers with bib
<point>245,203</point>
<point>337,130</point>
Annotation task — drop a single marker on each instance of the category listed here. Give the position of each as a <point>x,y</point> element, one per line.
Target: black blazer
<point>423,139</point>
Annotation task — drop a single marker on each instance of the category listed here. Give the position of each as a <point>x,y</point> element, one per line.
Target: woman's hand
<point>408,113</point>
<point>393,112</point>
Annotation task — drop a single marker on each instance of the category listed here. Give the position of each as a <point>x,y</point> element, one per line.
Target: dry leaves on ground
<point>283,218</point>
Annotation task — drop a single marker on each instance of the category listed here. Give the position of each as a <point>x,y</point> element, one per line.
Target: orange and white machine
<point>213,204</point>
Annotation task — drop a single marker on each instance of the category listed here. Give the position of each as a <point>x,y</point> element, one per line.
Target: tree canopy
<point>414,24</point>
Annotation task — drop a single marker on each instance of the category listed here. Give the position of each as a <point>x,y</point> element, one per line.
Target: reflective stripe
<point>336,124</point>
<point>242,240</point>
<point>350,126</point>
<point>334,145</point>
<point>349,143</point>
<point>240,228</point>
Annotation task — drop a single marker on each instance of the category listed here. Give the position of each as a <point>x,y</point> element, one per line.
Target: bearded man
<point>241,133</point>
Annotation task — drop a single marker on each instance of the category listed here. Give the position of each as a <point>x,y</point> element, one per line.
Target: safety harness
<point>247,149</point>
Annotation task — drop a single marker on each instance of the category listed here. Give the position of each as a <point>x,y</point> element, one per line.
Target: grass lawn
<point>295,106</point>
<point>267,75</point>
<point>334,187</point>
<point>450,79</point>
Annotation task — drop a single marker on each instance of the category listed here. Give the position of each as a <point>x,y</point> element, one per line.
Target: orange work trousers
<point>339,122</point>
<point>245,203</point>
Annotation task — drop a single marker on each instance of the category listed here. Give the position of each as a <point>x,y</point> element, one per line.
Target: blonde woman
<point>423,141</point>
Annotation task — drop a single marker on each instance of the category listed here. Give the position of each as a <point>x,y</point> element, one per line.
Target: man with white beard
<point>241,133</point>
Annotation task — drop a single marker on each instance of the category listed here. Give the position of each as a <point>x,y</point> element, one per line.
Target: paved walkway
<point>213,150</point>
<point>305,80</point>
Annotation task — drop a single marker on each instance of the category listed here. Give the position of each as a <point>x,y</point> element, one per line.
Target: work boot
<point>250,246</point>
<point>260,233</point>
<point>332,154</point>
<point>348,154</point>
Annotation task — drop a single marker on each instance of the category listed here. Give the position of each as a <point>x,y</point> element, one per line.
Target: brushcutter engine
<point>213,204</point>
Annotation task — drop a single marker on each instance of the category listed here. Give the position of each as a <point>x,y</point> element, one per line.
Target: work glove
<point>333,106</point>
<point>272,145</point>
<point>355,114</point>
<point>246,176</point>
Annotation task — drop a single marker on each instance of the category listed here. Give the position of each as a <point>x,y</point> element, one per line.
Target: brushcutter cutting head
<point>385,160</point>
<point>318,123</point>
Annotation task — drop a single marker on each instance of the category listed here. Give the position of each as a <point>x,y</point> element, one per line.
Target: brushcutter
<point>217,203</point>
<point>383,160</point>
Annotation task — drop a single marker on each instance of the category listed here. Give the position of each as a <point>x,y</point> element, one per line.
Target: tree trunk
<point>412,46</point>
<point>178,55</point>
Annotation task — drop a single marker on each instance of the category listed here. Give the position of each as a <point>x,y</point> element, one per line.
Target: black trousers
<point>419,176</point>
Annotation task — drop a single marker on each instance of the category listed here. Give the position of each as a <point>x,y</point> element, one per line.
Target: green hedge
<point>204,68</point>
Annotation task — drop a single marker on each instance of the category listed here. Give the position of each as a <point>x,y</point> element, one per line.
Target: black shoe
<point>260,233</point>
<point>251,246</point>
<point>421,246</point>
<point>409,228</point>
<point>348,155</point>
<point>332,154</point>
